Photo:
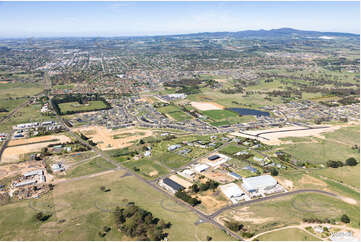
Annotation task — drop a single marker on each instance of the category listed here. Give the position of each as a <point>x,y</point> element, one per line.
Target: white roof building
<point>33,173</point>
<point>253,184</point>
<point>233,192</point>
<point>200,167</point>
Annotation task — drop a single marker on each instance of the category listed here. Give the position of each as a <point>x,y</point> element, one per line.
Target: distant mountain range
<point>273,33</point>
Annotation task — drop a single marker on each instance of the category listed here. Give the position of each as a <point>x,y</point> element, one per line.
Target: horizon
<point>146,19</point>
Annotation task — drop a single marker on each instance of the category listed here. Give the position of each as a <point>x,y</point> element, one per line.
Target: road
<point>4,146</point>
<point>215,214</point>
<point>105,156</point>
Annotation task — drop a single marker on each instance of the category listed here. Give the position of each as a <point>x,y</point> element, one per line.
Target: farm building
<point>233,192</point>
<point>33,173</point>
<point>214,157</point>
<point>234,175</point>
<point>170,185</point>
<point>25,183</point>
<point>216,160</point>
<point>200,168</point>
<point>257,183</point>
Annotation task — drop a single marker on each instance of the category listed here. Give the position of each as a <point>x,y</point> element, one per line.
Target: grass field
<point>347,174</point>
<point>281,212</point>
<point>320,152</point>
<point>77,216</point>
<point>291,234</point>
<point>95,165</point>
<point>30,113</point>
<point>225,117</point>
<point>18,90</point>
<point>175,112</point>
<point>75,106</point>
<point>231,149</point>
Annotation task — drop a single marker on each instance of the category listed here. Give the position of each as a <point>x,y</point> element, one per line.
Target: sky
<point>55,19</point>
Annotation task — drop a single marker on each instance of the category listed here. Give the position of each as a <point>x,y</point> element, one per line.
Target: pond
<point>246,111</point>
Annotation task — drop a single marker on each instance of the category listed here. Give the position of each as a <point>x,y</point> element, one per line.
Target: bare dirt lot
<point>295,131</point>
<point>204,106</point>
<point>12,170</point>
<point>19,147</point>
<point>105,137</point>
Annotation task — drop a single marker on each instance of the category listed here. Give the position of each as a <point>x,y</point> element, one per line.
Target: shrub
<point>351,161</point>
<point>345,219</point>
<point>274,172</point>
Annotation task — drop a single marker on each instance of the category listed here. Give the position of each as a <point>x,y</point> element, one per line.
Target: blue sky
<point>43,19</point>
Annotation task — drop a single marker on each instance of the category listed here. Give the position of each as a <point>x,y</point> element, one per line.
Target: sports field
<point>225,117</point>
<point>80,210</point>
<point>174,112</point>
<point>77,107</point>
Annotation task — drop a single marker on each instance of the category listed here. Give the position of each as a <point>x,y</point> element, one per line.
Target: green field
<point>291,234</point>
<point>281,212</point>
<point>95,165</point>
<point>231,149</point>
<point>347,174</point>
<point>30,113</point>
<point>78,212</point>
<point>225,117</point>
<point>76,107</point>
<point>175,112</point>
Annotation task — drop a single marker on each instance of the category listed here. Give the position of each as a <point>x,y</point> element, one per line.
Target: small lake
<point>246,111</point>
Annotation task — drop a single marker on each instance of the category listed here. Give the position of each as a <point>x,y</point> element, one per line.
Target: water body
<point>246,111</point>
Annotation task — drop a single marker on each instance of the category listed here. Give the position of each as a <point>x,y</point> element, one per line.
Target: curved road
<point>215,214</point>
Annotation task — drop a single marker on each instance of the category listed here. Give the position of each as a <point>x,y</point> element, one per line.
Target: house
<point>250,168</point>
<point>170,185</point>
<point>174,147</point>
<point>147,153</point>
<point>232,192</point>
<point>57,167</point>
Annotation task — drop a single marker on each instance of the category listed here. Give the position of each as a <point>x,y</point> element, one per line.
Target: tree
<point>233,225</point>
<point>102,188</point>
<point>351,161</point>
<point>345,219</point>
<point>274,172</point>
<point>208,238</point>
<point>195,188</point>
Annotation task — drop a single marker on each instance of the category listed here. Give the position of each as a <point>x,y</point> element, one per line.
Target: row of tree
<point>185,197</point>
<point>335,164</point>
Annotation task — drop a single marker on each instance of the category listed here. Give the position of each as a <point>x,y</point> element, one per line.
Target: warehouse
<point>233,192</point>
<point>200,168</point>
<point>170,185</point>
<point>259,183</point>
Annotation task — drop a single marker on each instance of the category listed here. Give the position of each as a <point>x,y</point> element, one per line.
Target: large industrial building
<point>259,183</point>
<point>233,192</point>
<point>170,185</point>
